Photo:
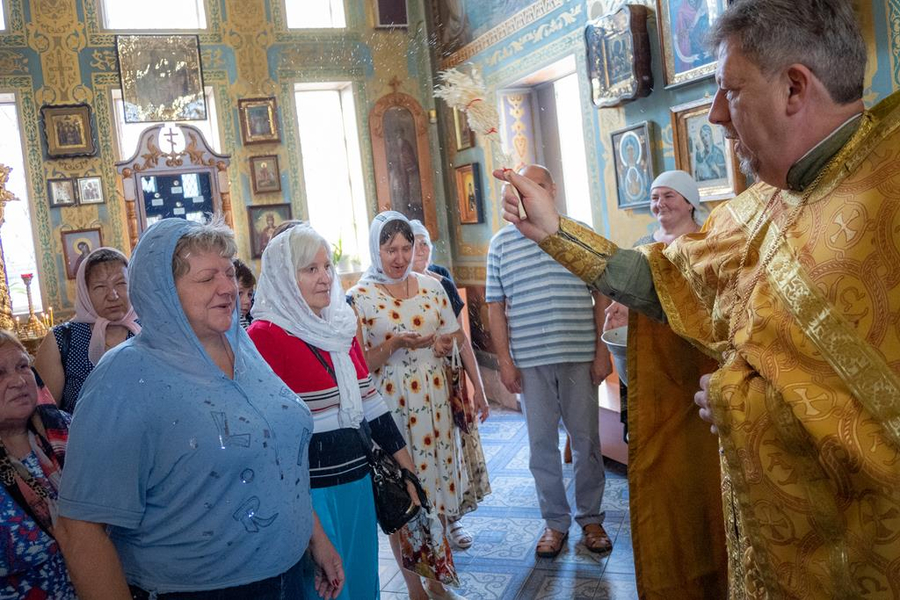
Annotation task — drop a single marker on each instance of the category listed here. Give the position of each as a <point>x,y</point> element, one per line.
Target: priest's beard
<point>749,162</point>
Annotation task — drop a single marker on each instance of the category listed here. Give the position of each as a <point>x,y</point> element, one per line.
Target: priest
<point>793,288</point>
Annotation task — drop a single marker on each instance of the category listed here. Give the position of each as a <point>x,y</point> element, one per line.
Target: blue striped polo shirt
<point>549,310</point>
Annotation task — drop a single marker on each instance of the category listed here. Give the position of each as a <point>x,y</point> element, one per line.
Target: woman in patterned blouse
<point>32,452</point>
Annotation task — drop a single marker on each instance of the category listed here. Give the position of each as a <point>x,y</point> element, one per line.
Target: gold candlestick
<point>33,327</point>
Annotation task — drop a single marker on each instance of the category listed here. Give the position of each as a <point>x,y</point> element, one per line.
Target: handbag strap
<point>363,429</point>
<point>455,359</point>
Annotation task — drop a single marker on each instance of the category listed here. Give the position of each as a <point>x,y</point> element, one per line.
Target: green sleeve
<point>620,274</point>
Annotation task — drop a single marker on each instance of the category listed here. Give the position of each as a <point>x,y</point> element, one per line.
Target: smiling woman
<point>209,491</point>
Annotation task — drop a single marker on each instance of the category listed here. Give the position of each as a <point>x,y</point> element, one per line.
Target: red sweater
<point>335,455</point>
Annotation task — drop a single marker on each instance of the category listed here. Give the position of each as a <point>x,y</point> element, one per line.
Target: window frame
<point>38,287</point>
<point>105,27</point>
<point>360,205</point>
<point>343,5</point>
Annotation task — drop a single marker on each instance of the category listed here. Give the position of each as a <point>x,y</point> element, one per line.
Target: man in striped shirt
<point>545,325</point>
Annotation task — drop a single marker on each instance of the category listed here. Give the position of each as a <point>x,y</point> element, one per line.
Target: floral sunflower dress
<point>414,385</point>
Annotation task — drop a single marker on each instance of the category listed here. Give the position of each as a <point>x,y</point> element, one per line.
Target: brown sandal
<point>595,538</point>
<point>551,543</point>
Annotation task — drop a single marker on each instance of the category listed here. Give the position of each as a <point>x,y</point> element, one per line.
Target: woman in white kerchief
<point>407,326</point>
<point>305,330</point>
<point>675,202</point>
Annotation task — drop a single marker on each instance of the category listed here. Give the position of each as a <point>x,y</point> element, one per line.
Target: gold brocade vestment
<point>807,396</point>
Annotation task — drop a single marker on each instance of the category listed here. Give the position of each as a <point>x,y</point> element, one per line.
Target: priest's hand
<point>543,218</point>
<point>701,399</point>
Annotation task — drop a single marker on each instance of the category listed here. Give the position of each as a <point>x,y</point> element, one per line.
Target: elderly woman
<point>32,453</point>
<point>187,472</point>
<point>404,316</point>
<point>307,333</point>
<point>103,319</point>
<point>472,453</point>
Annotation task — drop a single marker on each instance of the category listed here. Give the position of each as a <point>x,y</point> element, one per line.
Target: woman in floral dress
<point>407,326</point>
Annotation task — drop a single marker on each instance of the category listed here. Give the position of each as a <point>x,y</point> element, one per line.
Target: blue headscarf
<point>201,477</point>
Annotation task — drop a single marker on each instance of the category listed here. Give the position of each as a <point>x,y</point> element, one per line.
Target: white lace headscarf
<point>375,273</point>
<point>279,301</point>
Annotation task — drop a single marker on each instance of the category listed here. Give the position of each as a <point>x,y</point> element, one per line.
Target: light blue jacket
<point>203,479</point>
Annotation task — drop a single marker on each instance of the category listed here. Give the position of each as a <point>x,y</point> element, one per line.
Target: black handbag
<point>394,507</point>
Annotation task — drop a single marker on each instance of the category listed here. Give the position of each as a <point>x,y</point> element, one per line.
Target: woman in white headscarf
<point>675,202</point>
<point>472,453</point>
<point>407,325</point>
<point>306,331</point>
<point>103,319</point>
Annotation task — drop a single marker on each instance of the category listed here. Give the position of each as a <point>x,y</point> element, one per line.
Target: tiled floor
<point>501,564</point>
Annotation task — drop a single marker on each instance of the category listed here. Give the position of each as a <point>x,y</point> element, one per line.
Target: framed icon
<point>68,130</point>
<point>259,120</point>
<point>702,150</point>
<point>468,194</point>
<point>265,174</point>
<point>90,190</point>
<point>683,26</point>
<point>76,247</point>
<point>618,54</point>
<point>634,165</point>
<point>465,137</point>
<point>162,79</point>
<point>264,220</point>
<point>61,192</point>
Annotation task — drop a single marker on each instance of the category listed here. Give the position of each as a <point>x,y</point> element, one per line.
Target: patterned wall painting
<point>460,22</point>
<point>58,53</point>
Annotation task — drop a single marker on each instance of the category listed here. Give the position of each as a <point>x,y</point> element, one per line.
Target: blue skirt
<point>347,514</point>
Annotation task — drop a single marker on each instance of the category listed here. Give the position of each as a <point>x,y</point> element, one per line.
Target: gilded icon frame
<point>676,64</point>
<point>259,120</point>
<point>715,168</point>
<point>68,130</point>
<point>634,171</point>
<point>162,78</point>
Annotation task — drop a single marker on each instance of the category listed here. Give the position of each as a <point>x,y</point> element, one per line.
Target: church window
<point>315,14</point>
<point>332,168</point>
<point>17,233</point>
<point>159,14</point>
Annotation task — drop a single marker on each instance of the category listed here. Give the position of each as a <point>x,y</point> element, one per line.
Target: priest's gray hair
<point>822,35</point>
<point>214,236</point>
<point>305,244</point>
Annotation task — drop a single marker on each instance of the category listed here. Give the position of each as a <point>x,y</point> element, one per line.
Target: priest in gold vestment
<point>793,288</point>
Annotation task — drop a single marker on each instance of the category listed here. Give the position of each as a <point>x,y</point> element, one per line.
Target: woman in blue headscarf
<point>187,449</point>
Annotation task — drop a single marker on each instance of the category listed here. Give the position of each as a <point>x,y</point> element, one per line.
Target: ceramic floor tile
<point>615,495</point>
<point>500,430</point>
<point>501,564</point>
<point>616,589</point>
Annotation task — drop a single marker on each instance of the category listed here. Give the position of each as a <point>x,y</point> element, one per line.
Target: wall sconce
<point>432,116</point>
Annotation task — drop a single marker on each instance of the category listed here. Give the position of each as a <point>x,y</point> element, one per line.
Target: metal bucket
<point>615,340</point>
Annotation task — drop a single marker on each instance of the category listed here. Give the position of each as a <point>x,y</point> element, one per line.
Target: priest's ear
<point>803,88</point>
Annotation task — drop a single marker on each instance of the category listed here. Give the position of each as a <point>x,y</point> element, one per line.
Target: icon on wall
<point>259,121</point>
<point>634,165</point>
<point>264,174</point>
<point>67,128</point>
<point>264,220</point>
<point>702,150</point>
<point>468,194</point>
<point>618,56</point>
<point>161,76</point>
<point>76,247</point>
<point>683,27</point>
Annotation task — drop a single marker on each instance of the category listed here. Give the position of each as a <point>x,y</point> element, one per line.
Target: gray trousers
<point>548,393</point>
